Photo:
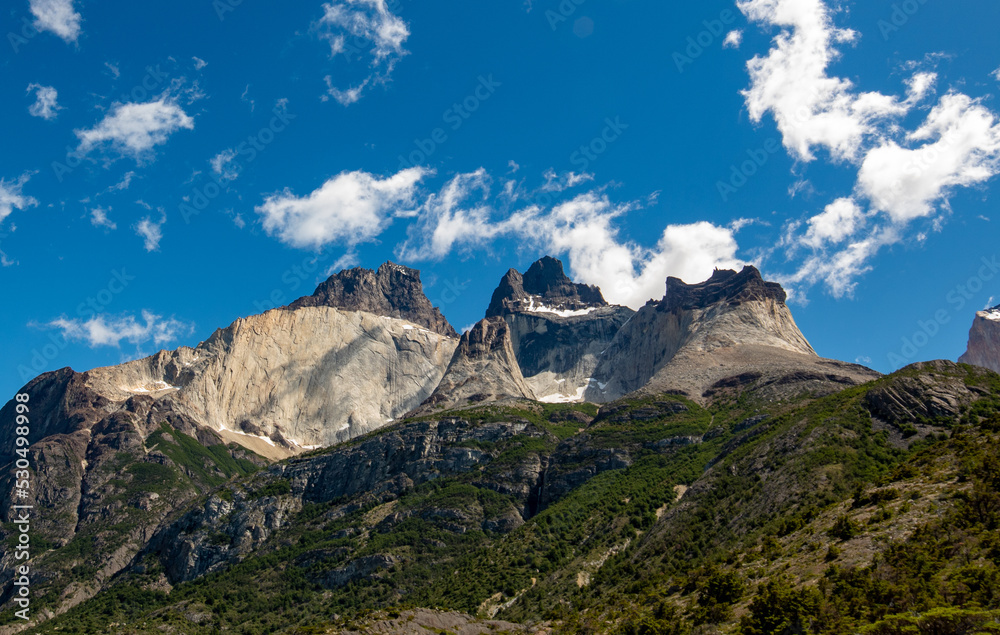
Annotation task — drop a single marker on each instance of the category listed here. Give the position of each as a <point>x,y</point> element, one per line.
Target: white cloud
<point>99,218</point>
<point>134,129</point>
<point>103,330</point>
<point>811,108</point>
<point>122,185</point>
<point>838,221</point>
<point>561,182</point>
<point>961,148</point>
<point>199,63</point>
<point>996,74</point>
<point>733,40</point>
<point>350,208</point>
<point>446,219</point>
<point>363,29</point>
<point>584,228</point>
<point>46,102</point>
<point>57,16</point>
<point>223,165</point>
<point>902,176</point>
<point>115,71</point>
<point>151,231</point>
<point>11,196</point>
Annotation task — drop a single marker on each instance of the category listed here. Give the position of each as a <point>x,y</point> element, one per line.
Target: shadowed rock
<point>984,341</point>
<point>393,291</point>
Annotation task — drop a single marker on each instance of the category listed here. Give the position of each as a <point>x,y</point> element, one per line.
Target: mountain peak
<point>392,290</point>
<point>725,285</point>
<point>544,285</point>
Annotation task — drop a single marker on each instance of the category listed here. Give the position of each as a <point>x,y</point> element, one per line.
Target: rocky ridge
<point>483,369</point>
<point>984,340</point>
<point>558,328</point>
<point>732,331</point>
<point>392,290</point>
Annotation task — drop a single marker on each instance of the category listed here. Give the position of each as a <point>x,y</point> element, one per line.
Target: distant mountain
<point>346,465</point>
<point>484,369</point>
<point>984,340</point>
<point>392,291</point>
<point>727,334</point>
<point>559,329</point>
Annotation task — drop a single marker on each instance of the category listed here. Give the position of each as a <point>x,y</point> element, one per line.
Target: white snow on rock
<point>150,387</point>
<point>575,398</point>
<point>266,440</point>
<point>541,308</point>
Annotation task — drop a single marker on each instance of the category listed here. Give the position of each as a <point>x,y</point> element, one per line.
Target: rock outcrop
<point>366,348</point>
<point>484,369</point>
<point>544,287</point>
<point>726,334</point>
<point>393,291</point>
<point>558,328</point>
<point>984,341</point>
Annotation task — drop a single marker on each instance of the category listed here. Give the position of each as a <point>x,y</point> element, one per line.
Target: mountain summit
<point>731,332</point>
<point>724,285</point>
<point>984,340</point>
<point>544,287</point>
<point>393,291</point>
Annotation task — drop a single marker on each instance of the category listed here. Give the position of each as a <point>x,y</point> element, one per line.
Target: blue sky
<point>169,167</point>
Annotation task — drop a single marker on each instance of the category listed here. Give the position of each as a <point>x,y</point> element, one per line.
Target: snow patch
<point>149,387</point>
<point>541,308</point>
<point>575,398</point>
<point>266,440</point>
<point>992,314</point>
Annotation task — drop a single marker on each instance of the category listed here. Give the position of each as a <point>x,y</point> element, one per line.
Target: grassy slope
<point>809,521</point>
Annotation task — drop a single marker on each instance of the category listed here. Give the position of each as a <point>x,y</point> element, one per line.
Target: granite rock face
<point>280,382</point>
<point>543,286</point>
<point>558,328</point>
<point>728,333</point>
<point>483,369</point>
<point>984,341</point>
<point>392,291</point>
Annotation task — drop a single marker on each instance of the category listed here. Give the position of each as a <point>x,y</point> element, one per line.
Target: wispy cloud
<point>57,16</point>
<point>99,218</point>
<point>584,228</point>
<point>903,176</point>
<point>224,166</point>
<point>134,129</point>
<point>362,29</point>
<point>151,231</point>
<point>46,103</point>
<point>12,198</point>
<point>104,330</point>
<point>733,40</point>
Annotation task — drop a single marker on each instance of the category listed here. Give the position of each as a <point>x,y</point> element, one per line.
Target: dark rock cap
<point>545,279</point>
<point>725,285</point>
<point>393,291</point>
